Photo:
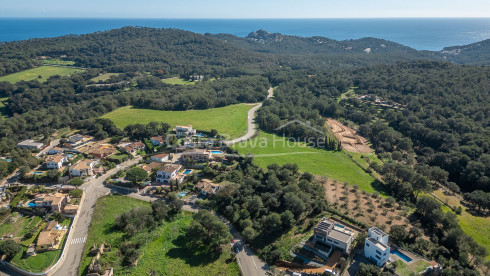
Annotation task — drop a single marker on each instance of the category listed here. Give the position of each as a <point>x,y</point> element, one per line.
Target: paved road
<point>93,190</point>
<point>251,122</point>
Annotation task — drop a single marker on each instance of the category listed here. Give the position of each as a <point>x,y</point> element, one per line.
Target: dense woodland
<point>437,135</point>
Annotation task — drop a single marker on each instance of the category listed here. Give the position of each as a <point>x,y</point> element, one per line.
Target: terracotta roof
<point>207,186</point>
<point>55,158</point>
<point>81,165</point>
<point>170,168</point>
<point>161,155</point>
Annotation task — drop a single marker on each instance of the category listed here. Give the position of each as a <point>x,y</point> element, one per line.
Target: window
<point>367,244</point>
<point>336,242</point>
<point>378,257</point>
<point>379,252</point>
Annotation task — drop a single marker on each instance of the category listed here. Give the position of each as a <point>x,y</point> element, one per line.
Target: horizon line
<point>246,18</point>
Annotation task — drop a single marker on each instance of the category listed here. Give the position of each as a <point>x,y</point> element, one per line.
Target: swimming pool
<point>401,255</point>
<point>186,172</point>
<point>38,173</point>
<point>181,194</point>
<point>216,152</point>
<point>31,204</point>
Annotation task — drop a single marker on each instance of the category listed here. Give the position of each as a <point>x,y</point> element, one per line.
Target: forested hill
<point>476,53</point>
<point>263,41</point>
<point>364,51</point>
<point>137,49</point>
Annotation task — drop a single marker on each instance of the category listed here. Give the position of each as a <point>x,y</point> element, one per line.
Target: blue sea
<point>421,34</point>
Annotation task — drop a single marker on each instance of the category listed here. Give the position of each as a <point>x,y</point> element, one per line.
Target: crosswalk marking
<point>78,240</point>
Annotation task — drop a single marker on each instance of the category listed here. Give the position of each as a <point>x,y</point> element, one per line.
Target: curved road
<point>251,122</point>
<point>248,261</point>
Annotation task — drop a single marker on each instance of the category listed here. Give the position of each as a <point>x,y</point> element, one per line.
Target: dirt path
<point>348,138</point>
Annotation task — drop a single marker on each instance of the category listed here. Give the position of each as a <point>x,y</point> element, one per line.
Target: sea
<point>419,33</point>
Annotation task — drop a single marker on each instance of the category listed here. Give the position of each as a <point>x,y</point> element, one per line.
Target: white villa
<point>334,234</point>
<point>376,246</point>
<point>183,131</point>
<point>168,173</point>
<point>55,161</point>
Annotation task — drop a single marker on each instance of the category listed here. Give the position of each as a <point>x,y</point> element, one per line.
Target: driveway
<point>252,126</point>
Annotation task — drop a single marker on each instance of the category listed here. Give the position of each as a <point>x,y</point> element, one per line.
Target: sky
<point>245,8</point>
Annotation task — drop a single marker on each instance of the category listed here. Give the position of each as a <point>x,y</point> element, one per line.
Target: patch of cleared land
<point>104,77</point>
<point>269,148</point>
<point>162,252</point>
<point>178,81</point>
<point>348,138</point>
<point>56,61</point>
<point>229,120</point>
<point>364,206</point>
<point>471,225</point>
<point>44,71</point>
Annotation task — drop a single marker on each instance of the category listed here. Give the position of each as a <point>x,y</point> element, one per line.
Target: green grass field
<point>403,269</point>
<point>44,71</point>
<point>178,81</point>
<point>104,77</point>
<point>229,120</point>
<point>162,252</point>
<point>335,165</point>
<point>473,226</point>
<point>56,61</point>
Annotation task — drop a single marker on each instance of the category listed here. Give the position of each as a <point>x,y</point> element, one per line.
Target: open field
<point>270,148</point>
<point>56,61</point>
<point>104,77</point>
<point>163,251</point>
<point>471,225</point>
<point>229,120</point>
<point>44,71</point>
<point>178,81</point>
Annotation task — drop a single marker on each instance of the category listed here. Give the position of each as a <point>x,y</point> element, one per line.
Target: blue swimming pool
<point>401,255</point>
<point>38,173</point>
<point>31,204</point>
<point>186,172</point>
<point>216,152</point>
<point>181,194</point>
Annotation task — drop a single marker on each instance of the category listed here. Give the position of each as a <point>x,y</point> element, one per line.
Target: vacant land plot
<point>404,269</point>
<point>55,61</point>
<point>44,72</point>
<point>372,210</point>
<point>471,225</point>
<point>163,252</point>
<point>178,81</point>
<point>18,226</point>
<point>229,120</point>
<point>269,148</point>
<point>104,77</point>
<point>348,138</point>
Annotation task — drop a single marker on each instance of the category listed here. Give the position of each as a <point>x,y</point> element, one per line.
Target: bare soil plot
<point>348,138</point>
<point>364,206</point>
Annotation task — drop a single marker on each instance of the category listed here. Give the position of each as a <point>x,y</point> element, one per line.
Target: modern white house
<point>160,157</point>
<point>30,144</point>
<point>55,161</point>
<point>183,131</point>
<point>376,246</point>
<point>82,168</point>
<point>334,234</point>
<point>55,150</point>
<point>168,173</point>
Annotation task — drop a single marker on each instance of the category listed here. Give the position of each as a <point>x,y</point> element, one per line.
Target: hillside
<point>476,53</point>
<point>136,48</point>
